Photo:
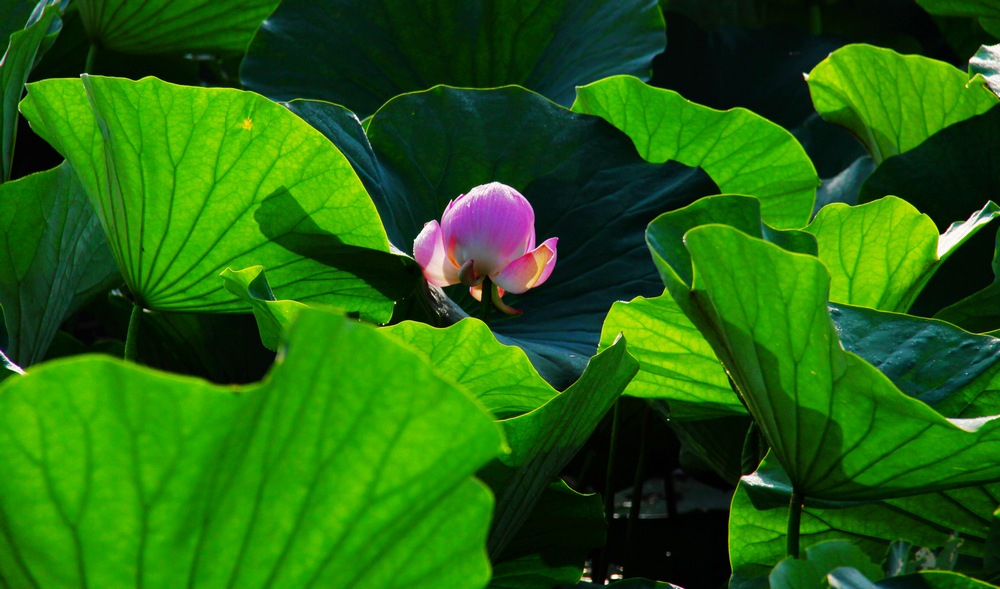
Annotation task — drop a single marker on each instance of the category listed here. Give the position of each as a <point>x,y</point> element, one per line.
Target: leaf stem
<point>88,66</point>
<point>794,521</point>
<point>635,509</point>
<point>131,337</point>
<point>487,294</point>
<point>600,573</point>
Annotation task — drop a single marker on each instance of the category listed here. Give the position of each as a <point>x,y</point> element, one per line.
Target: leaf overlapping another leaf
<point>317,476</point>
<point>188,181</point>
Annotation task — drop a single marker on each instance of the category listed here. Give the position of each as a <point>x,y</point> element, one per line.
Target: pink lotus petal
<point>492,224</point>
<point>530,270</point>
<point>477,292</point>
<point>428,250</point>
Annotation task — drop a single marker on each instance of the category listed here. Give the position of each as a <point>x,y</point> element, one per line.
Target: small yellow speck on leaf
<point>248,123</point>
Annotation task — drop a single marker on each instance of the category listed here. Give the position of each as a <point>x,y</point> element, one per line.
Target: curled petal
<point>491,224</point>
<point>429,251</point>
<point>530,270</point>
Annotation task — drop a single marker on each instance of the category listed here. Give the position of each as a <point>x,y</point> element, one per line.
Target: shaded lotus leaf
<point>173,26</point>
<point>743,152</point>
<point>55,258</point>
<point>361,54</point>
<point>189,181</point>
<point>893,102</point>
<point>551,547</point>
<point>586,183</point>
<point>543,441</point>
<point>987,12</point>
<point>25,48</point>
<point>320,475</point>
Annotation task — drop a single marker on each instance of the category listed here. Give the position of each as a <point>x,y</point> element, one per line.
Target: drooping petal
<point>430,253</point>
<point>530,270</point>
<point>491,224</point>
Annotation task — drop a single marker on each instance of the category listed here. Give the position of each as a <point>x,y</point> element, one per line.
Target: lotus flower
<point>486,238</point>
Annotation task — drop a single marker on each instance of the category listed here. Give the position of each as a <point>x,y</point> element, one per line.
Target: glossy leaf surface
<point>361,54</point>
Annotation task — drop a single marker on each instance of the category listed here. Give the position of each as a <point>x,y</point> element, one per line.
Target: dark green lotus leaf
<point>173,26</point>
<point>223,348</point>
<point>743,152</point>
<point>930,360</point>
<point>25,47</point>
<point>550,548</point>
<point>55,258</point>
<point>893,102</point>
<point>361,54</point>
<point>758,523</point>
<point>583,177</point>
<point>14,15</point>
<point>189,181</point>
<point>934,178</point>
<point>319,476</point>
<point>986,11</point>
<point>881,254</point>
<point>764,309</point>
<point>543,441</point>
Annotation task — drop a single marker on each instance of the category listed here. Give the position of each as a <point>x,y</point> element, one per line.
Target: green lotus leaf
<point>25,48</point>
<point>189,181</point>
<point>55,258</point>
<point>500,376</point>
<point>320,475</point>
<point>361,54</point>
<point>676,364</point>
<point>743,152</point>
<point>765,312</point>
<point>893,102</point>
<point>939,166</point>
<point>881,254</point>
<point>757,528</point>
<point>173,26</point>
<point>987,12</point>
<point>819,560</point>
<point>543,441</point>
